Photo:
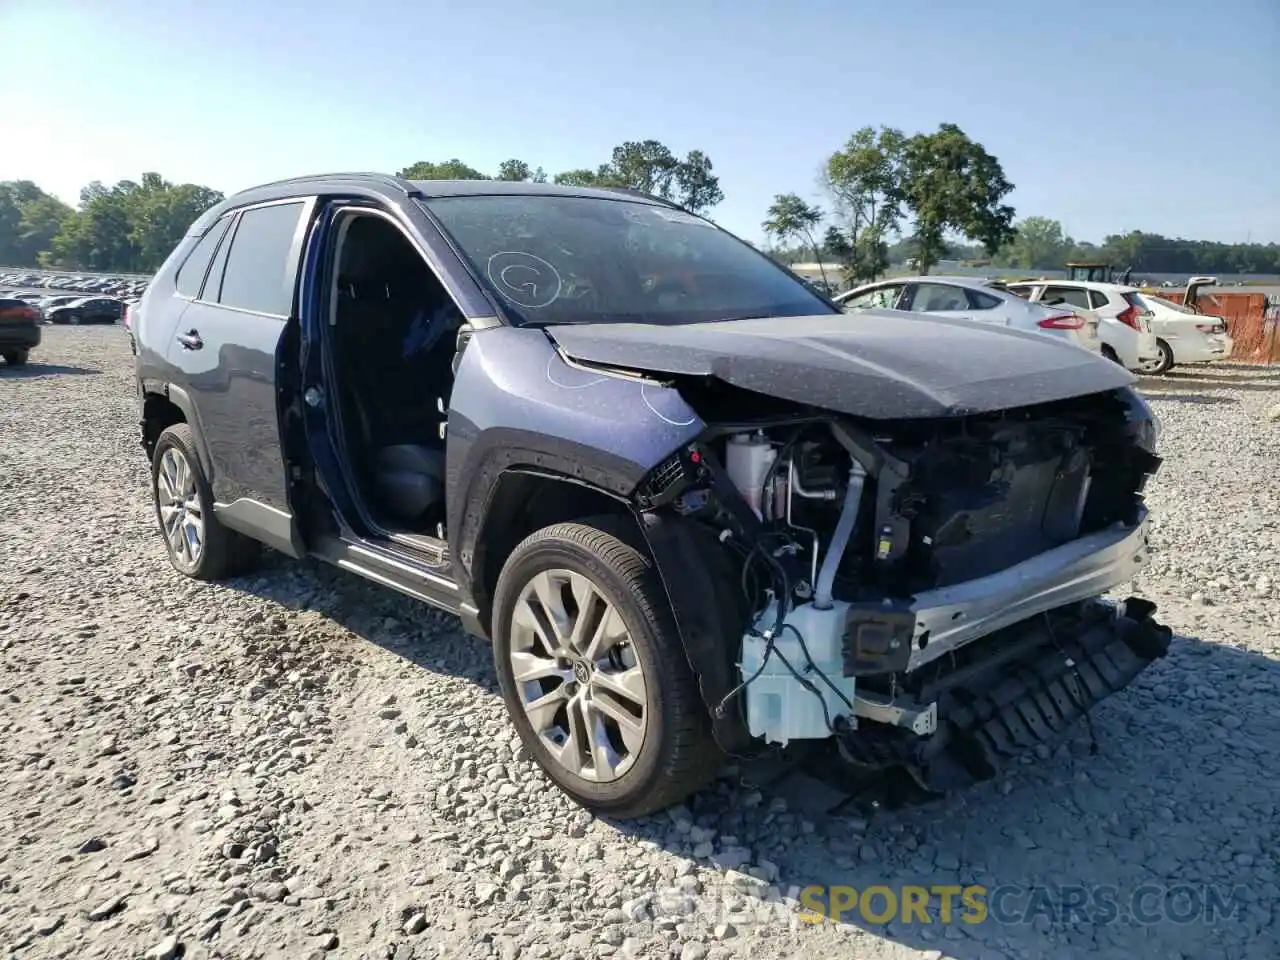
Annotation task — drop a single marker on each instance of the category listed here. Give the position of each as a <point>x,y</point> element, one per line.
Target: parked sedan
<point>972,298</point>
<point>49,304</point>
<point>88,310</point>
<point>19,330</point>
<point>1185,336</point>
<point>1124,322</point>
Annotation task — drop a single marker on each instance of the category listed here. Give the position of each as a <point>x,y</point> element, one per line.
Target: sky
<point>1158,115</point>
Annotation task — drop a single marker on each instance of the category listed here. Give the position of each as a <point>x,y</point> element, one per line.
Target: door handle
<point>190,340</point>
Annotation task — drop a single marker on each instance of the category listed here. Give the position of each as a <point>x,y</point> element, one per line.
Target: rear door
<point>227,342</point>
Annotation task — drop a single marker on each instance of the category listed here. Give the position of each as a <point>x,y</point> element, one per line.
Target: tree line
<point>893,197</point>
<point>919,199</point>
<point>132,226</point>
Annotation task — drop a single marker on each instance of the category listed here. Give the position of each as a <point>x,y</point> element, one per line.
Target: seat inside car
<point>395,337</point>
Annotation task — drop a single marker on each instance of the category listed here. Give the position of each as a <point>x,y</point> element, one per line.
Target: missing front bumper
<point>905,636</point>
<point>1042,675</point>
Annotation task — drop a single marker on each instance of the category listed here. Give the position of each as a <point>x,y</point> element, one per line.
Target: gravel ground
<point>299,763</point>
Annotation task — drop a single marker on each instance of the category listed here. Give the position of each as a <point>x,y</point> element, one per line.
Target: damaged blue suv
<point>696,510</point>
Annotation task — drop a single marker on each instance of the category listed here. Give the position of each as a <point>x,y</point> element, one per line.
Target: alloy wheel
<point>577,675</point>
<point>178,500</point>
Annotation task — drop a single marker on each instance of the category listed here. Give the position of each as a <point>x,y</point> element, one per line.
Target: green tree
<point>518,171</point>
<point>1038,244</point>
<point>647,166</point>
<point>29,220</point>
<point>863,179</point>
<point>697,188</point>
<point>950,183</point>
<point>129,227</point>
<point>603,176</point>
<point>650,167</point>
<point>790,217</point>
<point>449,170</point>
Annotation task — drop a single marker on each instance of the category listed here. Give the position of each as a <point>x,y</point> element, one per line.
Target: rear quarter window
<point>191,274</point>
<point>983,301</point>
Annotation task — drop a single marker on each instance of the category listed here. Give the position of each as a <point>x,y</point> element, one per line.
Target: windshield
<point>558,259</point>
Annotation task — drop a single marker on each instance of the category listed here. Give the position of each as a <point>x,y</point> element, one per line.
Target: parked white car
<point>1185,336</point>
<point>976,299</point>
<point>1124,322</point>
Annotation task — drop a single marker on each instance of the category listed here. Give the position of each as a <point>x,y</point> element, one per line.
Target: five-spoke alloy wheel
<point>577,675</point>
<point>198,545</point>
<point>593,672</point>
<point>181,516</point>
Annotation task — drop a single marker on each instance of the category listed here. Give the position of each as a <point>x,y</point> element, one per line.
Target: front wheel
<point>199,545</point>
<point>593,672</point>
<point>16,358</point>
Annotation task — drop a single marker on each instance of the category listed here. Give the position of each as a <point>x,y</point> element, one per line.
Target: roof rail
<point>635,192</point>
<point>386,179</point>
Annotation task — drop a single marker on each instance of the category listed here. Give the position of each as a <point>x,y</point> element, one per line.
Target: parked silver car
<point>977,299</point>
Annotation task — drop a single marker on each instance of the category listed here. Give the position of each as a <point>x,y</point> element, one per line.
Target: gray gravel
<point>300,764</point>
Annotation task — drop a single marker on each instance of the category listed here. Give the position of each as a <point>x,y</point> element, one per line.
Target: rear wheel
<point>16,358</point>
<point>1110,354</point>
<point>593,672</point>
<point>198,544</point>
<point>1162,365</point>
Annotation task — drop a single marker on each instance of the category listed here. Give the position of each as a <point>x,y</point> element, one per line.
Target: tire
<point>16,358</point>
<point>215,552</point>
<point>1110,354</point>
<point>1166,359</point>
<point>674,753</point>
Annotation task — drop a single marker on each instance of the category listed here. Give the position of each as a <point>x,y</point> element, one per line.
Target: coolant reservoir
<point>747,462</point>
<point>779,708</point>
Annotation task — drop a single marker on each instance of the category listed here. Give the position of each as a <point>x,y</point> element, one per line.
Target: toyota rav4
<point>696,510</point>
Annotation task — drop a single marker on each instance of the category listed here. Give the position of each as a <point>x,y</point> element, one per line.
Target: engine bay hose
<point>822,599</point>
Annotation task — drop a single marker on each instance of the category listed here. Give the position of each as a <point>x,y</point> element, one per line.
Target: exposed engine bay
<point>925,592</point>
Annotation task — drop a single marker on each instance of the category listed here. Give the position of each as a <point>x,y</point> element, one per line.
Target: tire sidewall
<point>550,554</point>
<point>179,438</point>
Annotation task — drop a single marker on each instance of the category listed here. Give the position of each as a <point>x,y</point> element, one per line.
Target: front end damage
<point>925,593</point>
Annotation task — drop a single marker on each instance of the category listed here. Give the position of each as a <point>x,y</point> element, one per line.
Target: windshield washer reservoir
<point>779,707</point>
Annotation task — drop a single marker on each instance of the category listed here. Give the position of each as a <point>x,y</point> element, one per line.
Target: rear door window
<point>1073,296</point>
<point>935,297</point>
<point>261,263</point>
<point>1098,299</point>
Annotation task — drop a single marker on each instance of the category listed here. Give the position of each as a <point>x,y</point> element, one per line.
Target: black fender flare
<point>711,615</point>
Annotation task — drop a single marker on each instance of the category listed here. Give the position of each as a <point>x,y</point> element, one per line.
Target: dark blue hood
<point>878,364</point>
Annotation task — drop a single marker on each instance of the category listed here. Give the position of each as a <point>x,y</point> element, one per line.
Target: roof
<point>497,188</point>
<point>1081,285</point>
<point>977,283</point>
<point>385,187</point>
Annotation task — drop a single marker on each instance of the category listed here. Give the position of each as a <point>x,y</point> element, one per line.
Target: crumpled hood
<point>877,364</point>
